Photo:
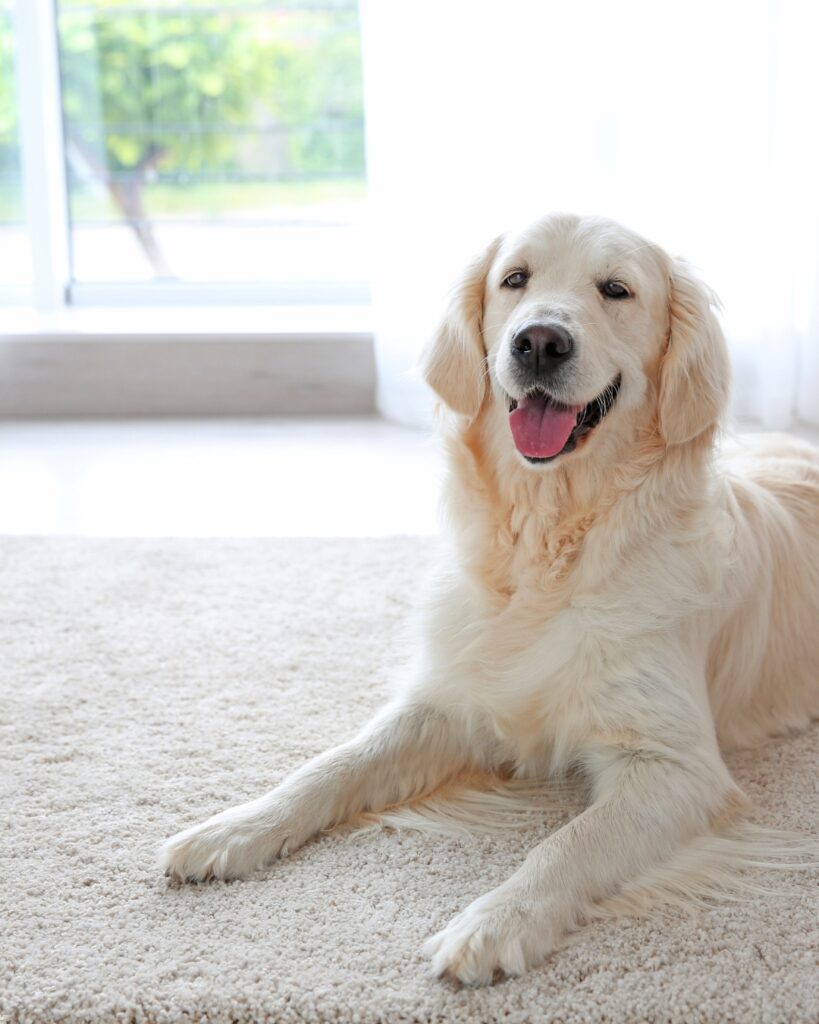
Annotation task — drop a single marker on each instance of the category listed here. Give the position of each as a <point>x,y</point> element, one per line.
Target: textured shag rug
<point>147,684</point>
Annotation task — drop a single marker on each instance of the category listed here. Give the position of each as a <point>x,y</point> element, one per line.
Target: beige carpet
<point>146,684</point>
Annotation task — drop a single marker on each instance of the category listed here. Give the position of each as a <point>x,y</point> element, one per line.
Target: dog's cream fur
<point>626,610</point>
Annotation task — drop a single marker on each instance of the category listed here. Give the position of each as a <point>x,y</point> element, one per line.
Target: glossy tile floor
<point>240,478</point>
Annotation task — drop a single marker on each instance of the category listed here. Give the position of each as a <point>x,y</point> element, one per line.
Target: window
<point>205,142</point>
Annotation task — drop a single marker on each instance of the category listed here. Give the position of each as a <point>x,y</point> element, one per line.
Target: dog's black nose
<point>542,348</point>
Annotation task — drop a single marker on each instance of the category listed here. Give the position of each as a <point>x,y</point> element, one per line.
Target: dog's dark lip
<point>588,418</point>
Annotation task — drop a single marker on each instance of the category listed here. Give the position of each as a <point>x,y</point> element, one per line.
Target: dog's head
<point>573,325</point>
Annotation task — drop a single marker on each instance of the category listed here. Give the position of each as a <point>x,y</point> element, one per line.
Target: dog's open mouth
<point>543,428</point>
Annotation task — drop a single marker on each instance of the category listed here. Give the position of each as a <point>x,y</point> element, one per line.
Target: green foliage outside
<point>185,82</point>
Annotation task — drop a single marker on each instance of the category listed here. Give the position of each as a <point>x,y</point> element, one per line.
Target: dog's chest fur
<point>552,607</point>
<point>531,665</point>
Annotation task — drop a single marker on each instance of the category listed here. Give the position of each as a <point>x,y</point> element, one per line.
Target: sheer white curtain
<point>692,122</point>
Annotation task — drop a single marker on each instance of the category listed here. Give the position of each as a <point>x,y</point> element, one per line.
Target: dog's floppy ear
<point>454,363</point>
<point>695,372</point>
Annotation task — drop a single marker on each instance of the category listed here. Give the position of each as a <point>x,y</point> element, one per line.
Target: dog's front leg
<point>406,750</point>
<point>648,803</point>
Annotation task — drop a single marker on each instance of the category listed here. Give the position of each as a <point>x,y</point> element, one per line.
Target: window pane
<point>15,256</point>
<point>213,139</point>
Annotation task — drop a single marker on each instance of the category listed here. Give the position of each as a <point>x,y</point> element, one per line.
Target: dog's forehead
<point>591,243</point>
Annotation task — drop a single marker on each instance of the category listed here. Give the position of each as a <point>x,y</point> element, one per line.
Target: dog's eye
<point>614,290</point>
<point>517,279</point>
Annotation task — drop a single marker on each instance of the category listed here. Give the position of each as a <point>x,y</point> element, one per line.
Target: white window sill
<point>180,361</point>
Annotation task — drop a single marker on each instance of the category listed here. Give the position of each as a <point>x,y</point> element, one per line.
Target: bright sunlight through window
<point>209,141</point>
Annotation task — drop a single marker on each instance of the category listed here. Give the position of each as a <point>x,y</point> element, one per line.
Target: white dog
<point>623,601</point>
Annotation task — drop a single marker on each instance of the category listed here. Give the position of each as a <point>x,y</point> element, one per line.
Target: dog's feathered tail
<point>723,865</point>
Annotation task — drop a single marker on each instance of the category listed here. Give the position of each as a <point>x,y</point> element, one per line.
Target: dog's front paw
<point>496,936</point>
<point>229,845</point>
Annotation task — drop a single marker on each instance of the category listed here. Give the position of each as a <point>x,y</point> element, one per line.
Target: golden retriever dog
<point>625,600</point>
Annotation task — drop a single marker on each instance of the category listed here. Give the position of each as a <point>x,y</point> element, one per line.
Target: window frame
<point>45,199</point>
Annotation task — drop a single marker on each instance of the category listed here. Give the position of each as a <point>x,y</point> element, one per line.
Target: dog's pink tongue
<point>540,428</point>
